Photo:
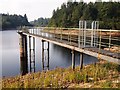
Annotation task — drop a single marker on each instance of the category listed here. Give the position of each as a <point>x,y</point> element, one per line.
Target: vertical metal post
<point>30,52</point>
<point>81,61</point>
<point>82,40</point>
<point>40,31</point>
<point>94,36</point>
<point>48,57</point>
<point>48,32</point>
<point>68,35</point>
<point>23,54</point>
<point>43,54</point>
<point>79,34</point>
<point>36,30</point>
<point>33,31</point>
<point>97,33</point>
<point>73,60</point>
<point>34,53</point>
<point>61,34</point>
<point>92,33</point>
<point>100,34</point>
<point>84,33</point>
<point>54,33</point>
<point>110,40</point>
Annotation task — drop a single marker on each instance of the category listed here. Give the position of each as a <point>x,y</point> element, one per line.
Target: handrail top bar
<point>103,30</point>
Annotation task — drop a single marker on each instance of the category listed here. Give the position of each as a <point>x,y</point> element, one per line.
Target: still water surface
<point>59,56</point>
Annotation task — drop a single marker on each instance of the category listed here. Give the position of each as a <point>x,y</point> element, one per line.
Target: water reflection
<point>59,56</point>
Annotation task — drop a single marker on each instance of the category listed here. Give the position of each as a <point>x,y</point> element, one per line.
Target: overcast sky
<point>33,8</point>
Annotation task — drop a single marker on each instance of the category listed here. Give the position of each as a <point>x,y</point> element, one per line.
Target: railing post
<point>84,33</point>
<point>100,35</point>
<point>61,33</point>
<point>70,37</point>
<point>110,40</point>
<point>54,33</point>
<point>92,33</point>
<point>82,39</point>
<point>79,35</point>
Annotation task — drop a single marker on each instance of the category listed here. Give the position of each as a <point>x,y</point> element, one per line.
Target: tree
<point>69,14</point>
<point>14,21</point>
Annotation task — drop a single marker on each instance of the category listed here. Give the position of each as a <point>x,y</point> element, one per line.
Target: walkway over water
<point>102,44</point>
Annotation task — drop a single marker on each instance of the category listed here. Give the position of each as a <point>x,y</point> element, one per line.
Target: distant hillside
<point>40,22</point>
<point>14,21</point>
<point>69,14</point>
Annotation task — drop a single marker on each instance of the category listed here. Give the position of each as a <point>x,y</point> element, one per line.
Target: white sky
<point>33,8</point>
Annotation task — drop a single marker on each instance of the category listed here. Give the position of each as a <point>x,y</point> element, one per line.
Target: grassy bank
<point>100,75</point>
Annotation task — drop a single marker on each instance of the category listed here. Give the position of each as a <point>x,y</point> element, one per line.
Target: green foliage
<point>108,13</point>
<point>99,74</point>
<point>14,21</point>
<point>40,22</point>
<point>106,84</point>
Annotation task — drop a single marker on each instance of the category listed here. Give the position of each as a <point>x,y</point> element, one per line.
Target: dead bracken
<point>100,75</point>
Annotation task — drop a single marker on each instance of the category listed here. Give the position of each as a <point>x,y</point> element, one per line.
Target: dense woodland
<point>40,22</point>
<point>69,14</point>
<point>14,21</point>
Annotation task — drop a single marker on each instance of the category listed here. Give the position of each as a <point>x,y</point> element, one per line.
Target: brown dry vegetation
<point>100,75</point>
<point>76,32</point>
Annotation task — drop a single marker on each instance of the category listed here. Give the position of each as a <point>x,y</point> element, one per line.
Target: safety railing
<point>102,39</point>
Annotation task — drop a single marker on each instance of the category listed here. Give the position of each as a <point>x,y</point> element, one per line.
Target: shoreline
<point>99,75</point>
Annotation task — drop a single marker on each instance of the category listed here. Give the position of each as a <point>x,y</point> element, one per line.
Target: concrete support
<point>23,54</point>
<point>32,54</point>
<point>44,64</point>
<point>81,61</point>
<point>48,57</point>
<point>43,54</point>
<point>73,59</point>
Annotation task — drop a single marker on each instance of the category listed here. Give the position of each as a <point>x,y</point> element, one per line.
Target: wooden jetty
<point>67,41</point>
<point>94,42</point>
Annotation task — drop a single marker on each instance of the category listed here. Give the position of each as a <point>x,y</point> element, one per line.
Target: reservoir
<point>59,56</point>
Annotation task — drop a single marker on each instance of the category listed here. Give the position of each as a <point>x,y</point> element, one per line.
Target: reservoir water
<point>59,56</point>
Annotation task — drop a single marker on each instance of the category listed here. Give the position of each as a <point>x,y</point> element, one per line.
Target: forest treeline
<point>14,21</point>
<point>69,14</point>
<point>40,22</point>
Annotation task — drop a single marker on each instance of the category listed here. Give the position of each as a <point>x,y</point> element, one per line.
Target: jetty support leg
<point>73,60</point>
<point>43,54</point>
<point>23,54</point>
<point>33,54</point>
<point>30,53</point>
<point>48,57</point>
<point>81,61</point>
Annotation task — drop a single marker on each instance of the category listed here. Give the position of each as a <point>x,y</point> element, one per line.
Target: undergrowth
<point>104,75</point>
